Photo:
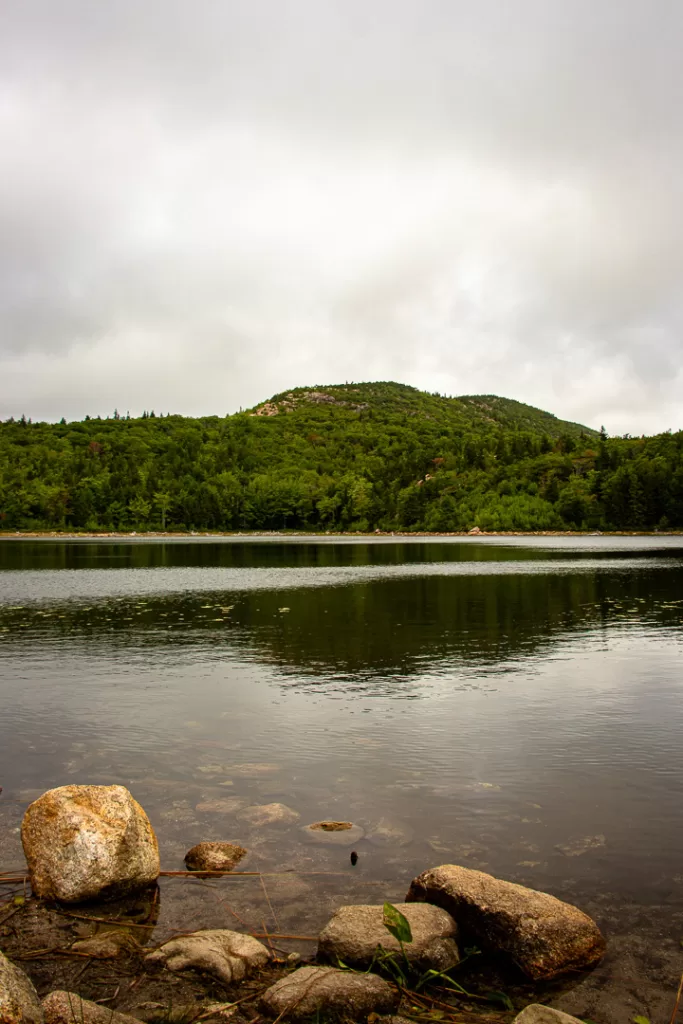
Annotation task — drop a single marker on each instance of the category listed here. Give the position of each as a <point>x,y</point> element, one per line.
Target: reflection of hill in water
<point>395,626</point>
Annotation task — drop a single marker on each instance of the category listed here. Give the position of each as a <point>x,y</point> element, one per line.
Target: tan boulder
<point>355,932</point>
<point>19,1002</point>
<point>311,989</point>
<point>214,856</point>
<point>88,842</point>
<point>68,1008</point>
<point>543,935</point>
<point>226,955</point>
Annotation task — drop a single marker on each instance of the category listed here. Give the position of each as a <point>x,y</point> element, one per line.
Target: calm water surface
<point>509,704</point>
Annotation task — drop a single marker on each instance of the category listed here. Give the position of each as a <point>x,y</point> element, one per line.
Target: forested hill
<point>346,457</point>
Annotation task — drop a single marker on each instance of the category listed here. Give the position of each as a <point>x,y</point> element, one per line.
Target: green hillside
<point>343,457</point>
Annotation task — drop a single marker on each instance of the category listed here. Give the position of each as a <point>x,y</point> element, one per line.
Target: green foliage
<point>355,457</point>
<point>397,924</point>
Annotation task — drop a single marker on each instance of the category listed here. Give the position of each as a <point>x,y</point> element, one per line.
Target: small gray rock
<point>19,1002</point>
<point>226,955</point>
<point>214,856</point>
<point>355,932</point>
<point>311,989</point>
<point>536,1013</point>
<point>68,1008</point>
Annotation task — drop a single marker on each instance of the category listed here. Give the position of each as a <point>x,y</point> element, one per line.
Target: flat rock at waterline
<point>68,1008</point>
<point>226,955</point>
<point>543,935</point>
<point>214,856</point>
<point>354,933</point>
<point>19,1002</point>
<point>334,833</point>
<point>312,989</point>
<point>536,1013</point>
<point>85,842</point>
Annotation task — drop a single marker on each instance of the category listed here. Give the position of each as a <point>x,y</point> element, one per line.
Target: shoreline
<point>286,534</point>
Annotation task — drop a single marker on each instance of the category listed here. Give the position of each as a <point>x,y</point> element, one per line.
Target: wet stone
<point>214,856</point>
<point>19,1002</point>
<point>310,990</point>
<point>355,932</point>
<point>544,936</point>
<point>68,1008</point>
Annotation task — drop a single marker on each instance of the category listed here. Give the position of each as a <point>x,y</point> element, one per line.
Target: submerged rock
<point>68,1008</point>
<point>225,805</point>
<point>269,814</point>
<point>388,832</point>
<point>543,935</point>
<point>214,856</point>
<point>339,833</point>
<point>19,1002</point>
<point>327,989</point>
<point>85,842</point>
<point>354,933</point>
<point>226,955</point>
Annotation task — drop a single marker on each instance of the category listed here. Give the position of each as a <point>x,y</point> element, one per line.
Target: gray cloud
<point>203,204</point>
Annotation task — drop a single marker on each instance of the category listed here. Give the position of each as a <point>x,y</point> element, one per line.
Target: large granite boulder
<point>543,935</point>
<point>310,990</point>
<point>354,933</point>
<point>225,955</point>
<point>88,842</point>
<point>68,1008</point>
<point>19,1002</point>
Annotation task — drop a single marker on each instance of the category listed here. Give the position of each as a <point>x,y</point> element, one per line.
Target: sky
<point>206,203</point>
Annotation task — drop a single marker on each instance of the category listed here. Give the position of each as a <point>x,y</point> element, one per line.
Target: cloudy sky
<point>204,203</point>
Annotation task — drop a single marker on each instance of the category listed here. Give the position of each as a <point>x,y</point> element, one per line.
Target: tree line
<point>359,458</point>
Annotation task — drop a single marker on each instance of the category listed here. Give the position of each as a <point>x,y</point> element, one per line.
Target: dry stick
<point>267,937</point>
<point>278,935</point>
<point>252,874</point>
<point>227,906</point>
<point>272,912</point>
<point>678,1000</point>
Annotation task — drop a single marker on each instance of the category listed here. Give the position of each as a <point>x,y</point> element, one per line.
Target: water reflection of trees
<point>147,554</point>
<point>391,626</point>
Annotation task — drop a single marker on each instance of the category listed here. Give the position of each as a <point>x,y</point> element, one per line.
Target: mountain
<point>354,457</point>
<point>392,401</point>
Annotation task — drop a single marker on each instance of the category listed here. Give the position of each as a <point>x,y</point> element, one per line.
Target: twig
<point>277,935</point>
<point>678,1000</point>
<point>104,920</point>
<point>227,906</point>
<point>267,938</point>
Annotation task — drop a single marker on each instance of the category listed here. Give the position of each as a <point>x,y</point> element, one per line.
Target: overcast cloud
<point>204,203</point>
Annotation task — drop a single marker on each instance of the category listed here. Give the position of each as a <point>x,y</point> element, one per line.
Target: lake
<point>510,704</point>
